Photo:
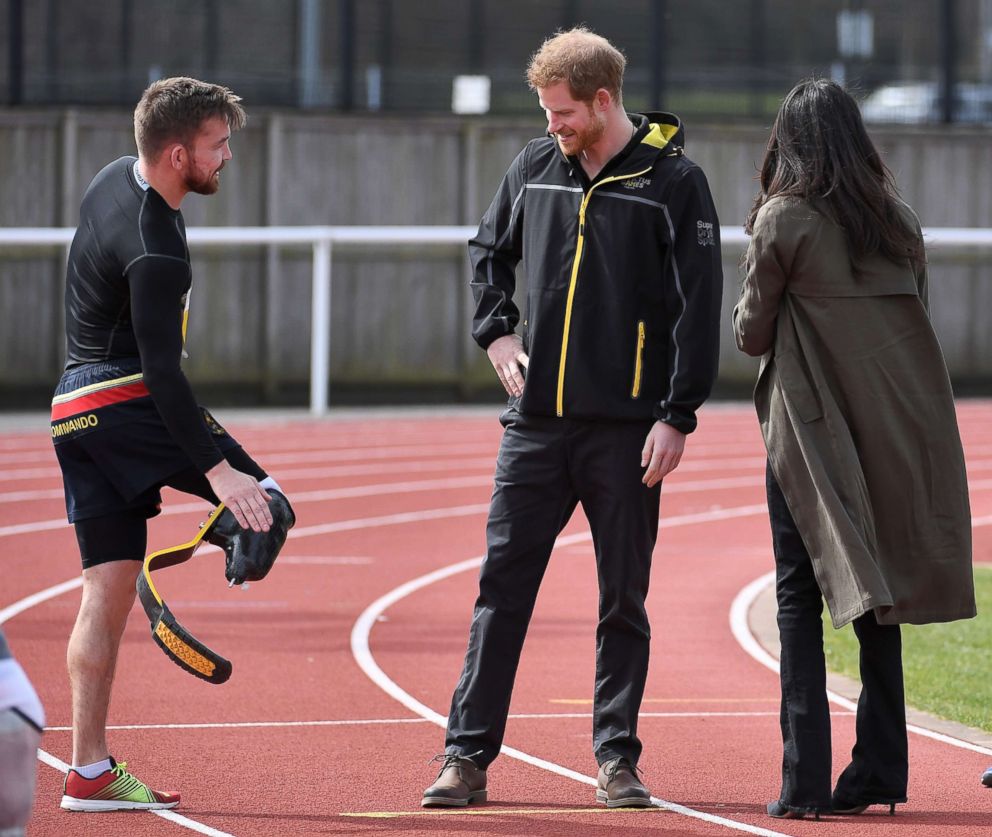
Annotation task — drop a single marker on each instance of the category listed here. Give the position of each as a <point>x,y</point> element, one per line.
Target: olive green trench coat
<point>858,418</point>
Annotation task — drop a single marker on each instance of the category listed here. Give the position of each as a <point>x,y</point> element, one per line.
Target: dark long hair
<point>819,148</point>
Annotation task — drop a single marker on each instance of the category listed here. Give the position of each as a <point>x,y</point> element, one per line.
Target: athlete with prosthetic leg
<point>124,419</point>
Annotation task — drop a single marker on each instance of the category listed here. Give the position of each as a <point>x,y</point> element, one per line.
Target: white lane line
<point>377,490</point>
<point>539,716</point>
<point>374,490</point>
<point>483,463</point>
<point>437,465</point>
<point>23,496</point>
<point>17,474</point>
<point>338,446</point>
<point>354,469</point>
<point>459,482</point>
<point>304,440</point>
<point>308,531</point>
<point>719,464</point>
<point>529,716</point>
<point>172,816</point>
<point>255,724</point>
<point>388,520</point>
<point>36,455</point>
<point>386,452</point>
<point>741,630</point>
<point>743,463</point>
<point>362,630</point>
<point>322,472</point>
<point>11,611</point>
<point>481,508</point>
<point>38,526</point>
<point>739,627</point>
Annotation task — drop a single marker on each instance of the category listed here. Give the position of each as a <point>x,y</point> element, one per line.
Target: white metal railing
<point>322,240</point>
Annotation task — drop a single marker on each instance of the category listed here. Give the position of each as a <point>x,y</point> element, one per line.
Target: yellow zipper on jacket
<point>560,400</point>
<point>638,360</point>
<point>185,325</point>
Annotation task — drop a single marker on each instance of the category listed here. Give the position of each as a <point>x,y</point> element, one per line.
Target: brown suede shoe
<point>619,787</point>
<point>459,782</point>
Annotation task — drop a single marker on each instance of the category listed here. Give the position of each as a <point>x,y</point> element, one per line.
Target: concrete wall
<point>400,315</point>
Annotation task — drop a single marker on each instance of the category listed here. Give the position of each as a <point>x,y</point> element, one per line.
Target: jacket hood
<point>660,129</point>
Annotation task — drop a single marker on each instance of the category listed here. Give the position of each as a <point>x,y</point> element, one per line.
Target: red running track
<point>345,655</point>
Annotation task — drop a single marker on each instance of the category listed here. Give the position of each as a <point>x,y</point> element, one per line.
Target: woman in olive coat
<point>866,483</point>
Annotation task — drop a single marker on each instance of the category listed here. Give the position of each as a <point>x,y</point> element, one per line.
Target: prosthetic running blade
<point>180,645</point>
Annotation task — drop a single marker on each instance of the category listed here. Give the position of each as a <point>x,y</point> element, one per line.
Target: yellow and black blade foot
<point>187,652</point>
<point>180,645</point>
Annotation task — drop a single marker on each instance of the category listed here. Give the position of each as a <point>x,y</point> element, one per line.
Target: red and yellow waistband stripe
<point>98,395</point>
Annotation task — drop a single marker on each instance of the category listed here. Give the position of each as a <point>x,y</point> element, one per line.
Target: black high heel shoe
<point>781,811</point>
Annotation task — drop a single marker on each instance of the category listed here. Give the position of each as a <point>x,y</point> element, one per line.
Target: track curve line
<point>741,630</point>
<point>362,653</point>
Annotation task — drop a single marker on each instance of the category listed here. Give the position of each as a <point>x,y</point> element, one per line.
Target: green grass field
<point>948,667</point>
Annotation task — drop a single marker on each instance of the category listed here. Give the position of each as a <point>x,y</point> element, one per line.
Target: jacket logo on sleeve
<point>636,183</point>
<point>704,234</point>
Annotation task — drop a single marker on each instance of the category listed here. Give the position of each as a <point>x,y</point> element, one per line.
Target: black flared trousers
<point>545,467</point>
<point>878,771</point>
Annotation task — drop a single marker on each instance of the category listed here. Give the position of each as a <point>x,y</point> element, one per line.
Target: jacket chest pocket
<point>635,390</point>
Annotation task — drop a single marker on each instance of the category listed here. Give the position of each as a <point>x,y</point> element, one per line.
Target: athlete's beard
<point>585,139</point>
<point>203,184</point>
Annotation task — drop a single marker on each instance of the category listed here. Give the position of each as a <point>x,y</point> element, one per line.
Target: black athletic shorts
<point>116,454</point>
<point>122,535</point>
<point>111,442</point>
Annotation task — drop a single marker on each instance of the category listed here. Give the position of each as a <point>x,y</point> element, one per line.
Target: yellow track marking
<point>489,812</point>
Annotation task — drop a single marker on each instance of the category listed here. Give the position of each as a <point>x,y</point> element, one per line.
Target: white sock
<point>268,482</point>
<point>91,771</point>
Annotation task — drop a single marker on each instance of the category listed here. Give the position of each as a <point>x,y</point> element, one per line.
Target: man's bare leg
<point>108,594</point>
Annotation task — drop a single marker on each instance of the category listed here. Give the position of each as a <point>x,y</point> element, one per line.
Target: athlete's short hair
<point>583,59</point>
<point>173,109</point>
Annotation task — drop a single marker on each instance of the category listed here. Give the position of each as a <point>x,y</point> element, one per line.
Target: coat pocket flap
<point>797,388</point>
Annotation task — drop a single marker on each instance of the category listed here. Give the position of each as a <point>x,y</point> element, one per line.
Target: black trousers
<point>879,766</point>
<point>545,467</point>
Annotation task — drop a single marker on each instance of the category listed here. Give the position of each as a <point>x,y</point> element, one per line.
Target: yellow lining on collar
<point>659,135</point>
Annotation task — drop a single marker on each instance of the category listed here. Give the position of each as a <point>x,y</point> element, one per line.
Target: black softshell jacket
<point>623,278</point>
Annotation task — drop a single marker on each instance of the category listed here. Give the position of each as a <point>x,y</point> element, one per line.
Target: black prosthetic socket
<point>250,555</point>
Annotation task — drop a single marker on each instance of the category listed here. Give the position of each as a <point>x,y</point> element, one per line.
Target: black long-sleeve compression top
<point>127,286</point>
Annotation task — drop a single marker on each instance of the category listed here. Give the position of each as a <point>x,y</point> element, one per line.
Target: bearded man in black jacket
<point>619,239</point>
